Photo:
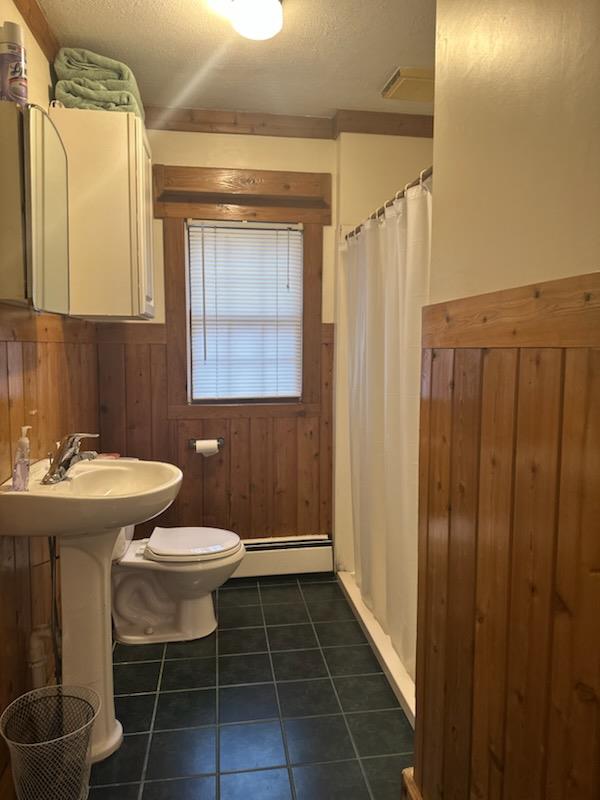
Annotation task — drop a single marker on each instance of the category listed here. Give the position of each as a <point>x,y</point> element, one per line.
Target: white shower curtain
<point>384,284</point>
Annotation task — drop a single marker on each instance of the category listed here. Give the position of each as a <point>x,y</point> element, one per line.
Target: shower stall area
<point>383,283</point>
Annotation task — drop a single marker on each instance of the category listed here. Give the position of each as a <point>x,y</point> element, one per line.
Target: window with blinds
<point>245,289</point>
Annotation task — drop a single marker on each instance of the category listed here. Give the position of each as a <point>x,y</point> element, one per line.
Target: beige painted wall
<point>372,168</point>
<point>37,63</point>
<point>249,152</point>
<point>366,170</point>
<point>517,144</point>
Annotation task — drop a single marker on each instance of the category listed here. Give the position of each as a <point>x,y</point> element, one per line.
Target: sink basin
<point>96,495</point>
<point>86,511</point>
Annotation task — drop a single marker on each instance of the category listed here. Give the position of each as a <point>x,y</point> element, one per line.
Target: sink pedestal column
<point>85,569</point>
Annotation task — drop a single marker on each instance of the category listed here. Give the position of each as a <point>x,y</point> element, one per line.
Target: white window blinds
<point>245,310</point>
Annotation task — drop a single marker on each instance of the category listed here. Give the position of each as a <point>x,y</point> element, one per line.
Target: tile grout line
<point>354,747</point>
<point>248,652</point>
<point>175,778</point>
<point>151,732</point>
<point>217,609</point>
<point>265,719</point>
<point>257,683</point>
<point>272,581</point>
<point>281,725</point>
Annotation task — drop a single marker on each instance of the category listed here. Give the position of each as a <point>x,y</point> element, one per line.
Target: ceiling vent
<point>410,83</point>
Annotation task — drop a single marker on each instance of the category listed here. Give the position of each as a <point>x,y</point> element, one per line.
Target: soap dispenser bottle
<point>20,480</point>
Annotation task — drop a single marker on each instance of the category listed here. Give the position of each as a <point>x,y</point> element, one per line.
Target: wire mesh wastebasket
<point>48,735</point>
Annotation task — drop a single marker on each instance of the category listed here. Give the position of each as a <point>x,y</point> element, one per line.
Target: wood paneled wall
<point>273,477</point>
<point>508,664</point>
<point>48,379</point>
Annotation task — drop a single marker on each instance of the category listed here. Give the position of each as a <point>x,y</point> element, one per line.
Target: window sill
<point>243,410</point>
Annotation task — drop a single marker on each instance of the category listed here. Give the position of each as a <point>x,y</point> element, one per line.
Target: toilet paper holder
<point>192,443</point>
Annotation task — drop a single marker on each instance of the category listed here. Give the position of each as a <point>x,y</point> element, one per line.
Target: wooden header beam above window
<point>235,194</point>
<point>205,120</point>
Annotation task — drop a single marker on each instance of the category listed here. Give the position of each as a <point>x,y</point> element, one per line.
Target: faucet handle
<point>72,441</point>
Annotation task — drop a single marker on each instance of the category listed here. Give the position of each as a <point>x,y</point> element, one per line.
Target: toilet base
<point>194,620</point>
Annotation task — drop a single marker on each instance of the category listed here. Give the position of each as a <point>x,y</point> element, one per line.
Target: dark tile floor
<point>286,701</point>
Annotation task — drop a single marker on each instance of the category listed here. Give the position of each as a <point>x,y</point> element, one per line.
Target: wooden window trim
<point>237,194</point>
<point>176,310</point>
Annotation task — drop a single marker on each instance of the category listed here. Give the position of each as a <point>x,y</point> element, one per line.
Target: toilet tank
<point>122,543</point>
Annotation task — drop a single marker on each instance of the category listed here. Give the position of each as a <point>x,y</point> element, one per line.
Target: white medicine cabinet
<point>110,213</point>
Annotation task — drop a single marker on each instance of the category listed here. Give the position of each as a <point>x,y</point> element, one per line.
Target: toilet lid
<point>191,544</point>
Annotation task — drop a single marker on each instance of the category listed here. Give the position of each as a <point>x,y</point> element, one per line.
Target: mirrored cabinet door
<point>46,191</point>
<point>34,235</point>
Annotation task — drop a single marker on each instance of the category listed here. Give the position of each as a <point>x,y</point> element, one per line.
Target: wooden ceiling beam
<point>37,23</point>
<point>204,120</point>
<point>382,122</point>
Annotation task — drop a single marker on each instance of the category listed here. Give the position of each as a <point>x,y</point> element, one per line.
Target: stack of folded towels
<point>89,80</point>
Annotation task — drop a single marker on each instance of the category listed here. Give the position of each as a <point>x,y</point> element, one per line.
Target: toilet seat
<point>191,544</point>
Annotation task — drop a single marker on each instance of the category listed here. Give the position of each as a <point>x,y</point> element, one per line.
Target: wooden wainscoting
<point>508,666</point>
<point>48,379</point>
<point>274,475</point>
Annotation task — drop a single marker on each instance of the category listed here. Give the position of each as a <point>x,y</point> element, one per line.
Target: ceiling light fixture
<point>257,19</point>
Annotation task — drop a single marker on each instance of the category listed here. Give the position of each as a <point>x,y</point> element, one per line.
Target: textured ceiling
<point>331,53</point>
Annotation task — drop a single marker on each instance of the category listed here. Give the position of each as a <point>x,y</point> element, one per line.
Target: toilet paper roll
<point>206,447</point>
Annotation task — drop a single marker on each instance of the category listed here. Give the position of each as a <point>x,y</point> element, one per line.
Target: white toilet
<point>161,586</point>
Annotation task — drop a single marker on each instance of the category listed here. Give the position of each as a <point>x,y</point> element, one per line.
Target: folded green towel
<point>73,63</point>
<point>103,95</point>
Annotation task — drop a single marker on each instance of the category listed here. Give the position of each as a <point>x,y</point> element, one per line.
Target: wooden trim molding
<point>176,333</point>
<point>410,788</point>
<point>206,120</point>
<point>37,23</point>
<point>560,313</point>
<point>244,410</point>
<point>236,194</point>
<point>417,125</point>
<point>175,310</point>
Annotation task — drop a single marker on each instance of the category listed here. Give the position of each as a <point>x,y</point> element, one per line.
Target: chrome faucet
<point>67,455</point>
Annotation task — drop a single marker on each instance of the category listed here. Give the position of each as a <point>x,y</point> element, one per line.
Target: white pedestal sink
<point>87,511</point>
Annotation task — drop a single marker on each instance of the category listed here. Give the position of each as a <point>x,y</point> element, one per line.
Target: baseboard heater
<point>286,555</point>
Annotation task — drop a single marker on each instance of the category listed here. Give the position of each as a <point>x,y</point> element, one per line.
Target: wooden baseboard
<point>410,790</point>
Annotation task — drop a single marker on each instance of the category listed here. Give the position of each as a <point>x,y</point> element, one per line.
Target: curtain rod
<point>426,173</point>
